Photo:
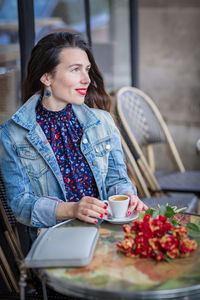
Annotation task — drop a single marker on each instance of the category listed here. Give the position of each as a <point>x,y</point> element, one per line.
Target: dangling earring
<point>47,93</point>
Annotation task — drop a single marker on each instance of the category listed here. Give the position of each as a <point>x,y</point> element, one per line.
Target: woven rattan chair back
<point>144,124</point>
<point>139,117</point>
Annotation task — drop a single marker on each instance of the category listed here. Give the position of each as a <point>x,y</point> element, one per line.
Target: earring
<point>47,93</point>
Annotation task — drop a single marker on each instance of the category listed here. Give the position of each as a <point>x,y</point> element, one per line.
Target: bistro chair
<point>143,127</point>
<point>8,226</point>
<point>180,200</point>
<point>13,280</point>
<point>7,274</point>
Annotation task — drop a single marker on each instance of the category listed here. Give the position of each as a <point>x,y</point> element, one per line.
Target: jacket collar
<point>26,116</point>
<point>86,116</point>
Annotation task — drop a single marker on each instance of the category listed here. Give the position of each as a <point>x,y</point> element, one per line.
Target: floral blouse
<point>64,133</point>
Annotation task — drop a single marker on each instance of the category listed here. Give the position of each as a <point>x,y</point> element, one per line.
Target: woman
<point>61,152</point>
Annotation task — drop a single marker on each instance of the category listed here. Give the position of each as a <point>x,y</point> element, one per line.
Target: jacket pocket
<point>33,163</point>
<point>103,148</point>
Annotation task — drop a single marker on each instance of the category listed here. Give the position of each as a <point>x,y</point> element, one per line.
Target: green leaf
<point>175,223</point>
<point>134,246</point>
<point>162,210</point>
<point>167,258</point>
<point>180,209</point>
<point>169,212</point>
<point>170,232</point>
<point>149,211</point>
<point>194,235</point>
<point>155,214</point>
<point>141,216</point>
<point>174,207</point>
<point>193,227</point>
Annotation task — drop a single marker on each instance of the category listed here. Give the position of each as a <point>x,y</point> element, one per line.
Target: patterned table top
<point>111,275</point>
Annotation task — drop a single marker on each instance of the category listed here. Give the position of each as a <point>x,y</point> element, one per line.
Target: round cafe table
<point>111,275</point>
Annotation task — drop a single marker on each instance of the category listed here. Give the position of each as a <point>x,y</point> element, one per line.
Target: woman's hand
<point>135,204</point>
<point>88,209</point>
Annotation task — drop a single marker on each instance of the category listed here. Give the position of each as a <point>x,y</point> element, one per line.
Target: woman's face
<point>70,81</point>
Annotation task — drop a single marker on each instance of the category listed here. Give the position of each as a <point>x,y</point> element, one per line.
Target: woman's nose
<point>85,78</point>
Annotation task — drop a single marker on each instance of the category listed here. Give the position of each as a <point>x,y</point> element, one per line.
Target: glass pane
<point>9,59</point>
<point>110,41</point>
<point>52,15</point>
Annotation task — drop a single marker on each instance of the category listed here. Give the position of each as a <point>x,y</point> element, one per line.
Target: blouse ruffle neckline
<point>67,110</point>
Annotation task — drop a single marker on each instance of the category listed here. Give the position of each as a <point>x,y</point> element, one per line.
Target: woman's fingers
<point>90,209</point>
<point>145,207</point>
<point>93,204</point>
<point>92,201</point>
<point>135,204</point>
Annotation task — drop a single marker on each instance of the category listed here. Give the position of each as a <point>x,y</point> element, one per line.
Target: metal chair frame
<point>179,200</point>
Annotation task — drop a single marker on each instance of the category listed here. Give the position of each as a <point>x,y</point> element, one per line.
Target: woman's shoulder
<point>24,117</point>
<point>9,129</point>
<point>102,114</point>
<point>6,125</point>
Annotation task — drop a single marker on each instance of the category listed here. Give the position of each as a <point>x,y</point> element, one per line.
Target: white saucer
<point>124,220</point>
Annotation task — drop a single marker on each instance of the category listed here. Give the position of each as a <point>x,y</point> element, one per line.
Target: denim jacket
<point>34,184</point>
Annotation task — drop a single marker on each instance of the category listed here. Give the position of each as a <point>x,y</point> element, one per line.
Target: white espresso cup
<point>118,205</point>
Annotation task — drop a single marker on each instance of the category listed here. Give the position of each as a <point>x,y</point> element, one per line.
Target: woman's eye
<point>75,70</point>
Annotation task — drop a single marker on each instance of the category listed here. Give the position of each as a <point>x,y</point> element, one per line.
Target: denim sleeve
<point>117,180</point>
<point>28,208</point>
<point>44,212</point>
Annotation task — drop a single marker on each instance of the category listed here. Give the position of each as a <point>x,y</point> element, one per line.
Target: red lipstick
<point>82,91</point>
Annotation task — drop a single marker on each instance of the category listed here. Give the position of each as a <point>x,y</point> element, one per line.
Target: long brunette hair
<point>45,58</point>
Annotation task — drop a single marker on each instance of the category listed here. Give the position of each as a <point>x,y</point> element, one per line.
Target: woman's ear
<point>45,79</point>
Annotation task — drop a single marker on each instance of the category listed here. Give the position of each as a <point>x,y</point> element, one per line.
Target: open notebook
<point>62,247</point>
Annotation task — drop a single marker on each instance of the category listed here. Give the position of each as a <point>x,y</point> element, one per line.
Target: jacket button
<point>94,163</point>
<point>85,141</point>
<point>97,150</point>
<point>107,147</point>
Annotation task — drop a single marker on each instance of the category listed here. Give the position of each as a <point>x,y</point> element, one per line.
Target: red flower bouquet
<point>157,236</point>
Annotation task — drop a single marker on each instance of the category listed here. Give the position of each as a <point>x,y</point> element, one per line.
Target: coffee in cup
<point>118,198</point>
<point>118,205</point>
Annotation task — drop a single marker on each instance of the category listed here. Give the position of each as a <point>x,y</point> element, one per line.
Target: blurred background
<point>151,44</point>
